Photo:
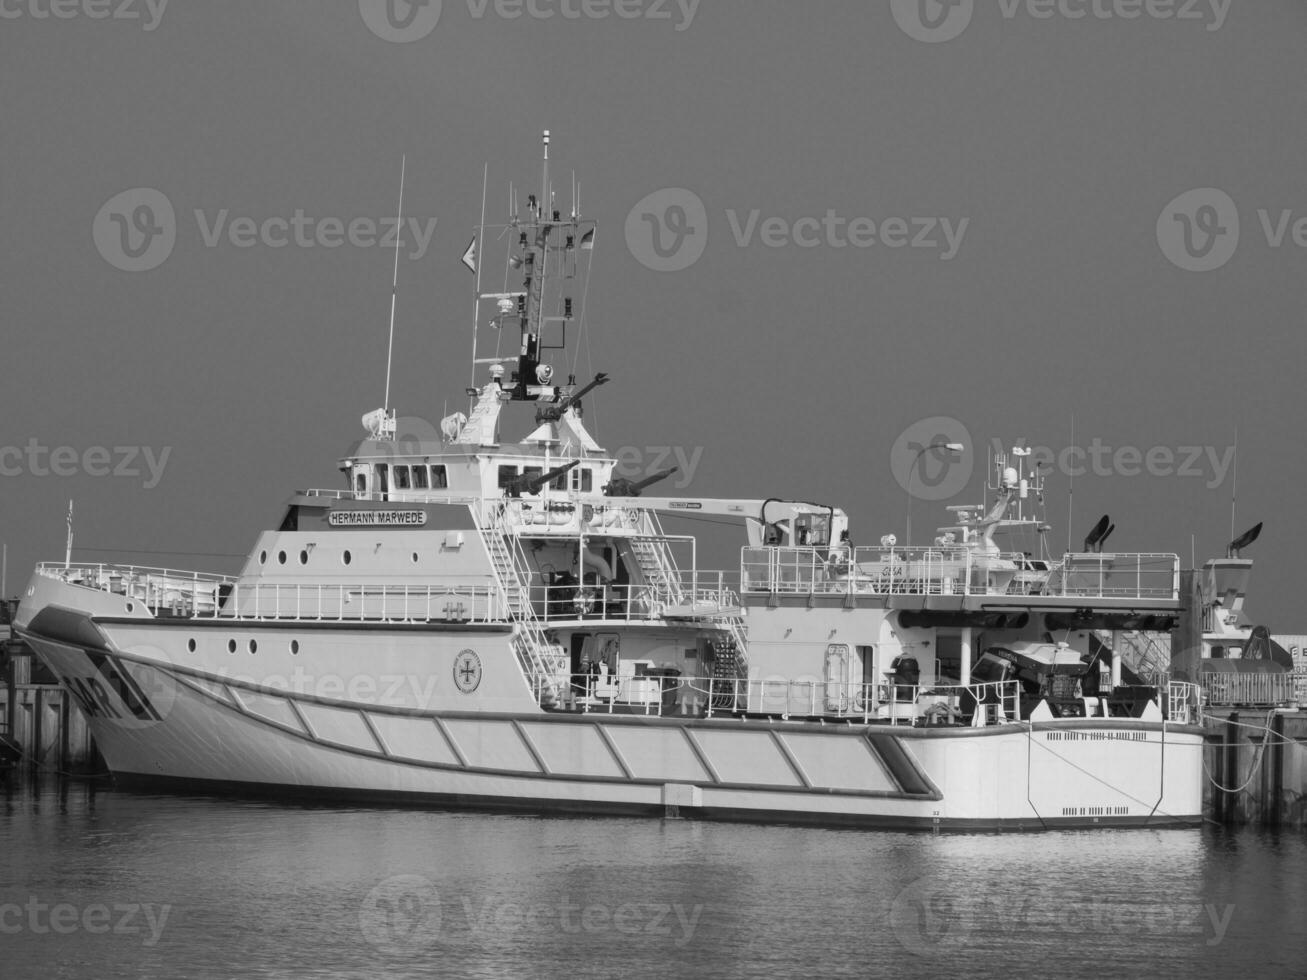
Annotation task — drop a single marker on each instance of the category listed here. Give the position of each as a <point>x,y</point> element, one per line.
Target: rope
<point>1259,757</point>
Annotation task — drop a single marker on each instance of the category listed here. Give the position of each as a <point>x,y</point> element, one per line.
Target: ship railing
<point>954,571</point>
<point>978,704</point>
<point>667,692</point>
<point>1221,690</point>
<point>699,595</point>
<point>1184,702</point>
<point>451,602</point>
<point>660,692</point>
<point>160,590</point>
<point>1128,575</point>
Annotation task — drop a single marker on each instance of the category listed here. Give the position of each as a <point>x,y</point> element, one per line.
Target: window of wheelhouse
<point>438,478</point>
<point>507,474</point>
<point>559,482</point>
<point>383,479</point>
<point>360,482</point>
<point>401,477</point>
<point>582,479</point>
<point>419,478</point>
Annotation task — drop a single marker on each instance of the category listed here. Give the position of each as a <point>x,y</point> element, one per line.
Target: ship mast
<point>551,252</point>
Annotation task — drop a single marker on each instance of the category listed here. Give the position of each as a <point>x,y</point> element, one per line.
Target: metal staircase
<point>656,562</point>
<point>546,664</point>
<point>1141,652</point>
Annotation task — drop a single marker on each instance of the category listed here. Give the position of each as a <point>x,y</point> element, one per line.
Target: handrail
<point>955,570</point>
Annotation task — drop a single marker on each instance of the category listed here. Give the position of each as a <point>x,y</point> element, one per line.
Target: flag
<point>588,239</point>
<point>470,256</point>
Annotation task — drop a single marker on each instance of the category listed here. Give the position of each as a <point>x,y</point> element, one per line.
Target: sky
<point>1070,225</point>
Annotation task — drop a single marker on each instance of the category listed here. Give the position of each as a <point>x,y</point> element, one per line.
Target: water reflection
<point>99,883</point>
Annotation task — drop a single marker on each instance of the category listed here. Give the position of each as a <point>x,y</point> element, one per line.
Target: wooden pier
<point>1256,766</point>
<point>41,729</point>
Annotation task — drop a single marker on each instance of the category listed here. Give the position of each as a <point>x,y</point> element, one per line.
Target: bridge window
<point>507,474</point>
<point>438,479</point>
<point>361,483</point>
<point>582,479</point>
<point>419,478</point>
<point>401,477</point>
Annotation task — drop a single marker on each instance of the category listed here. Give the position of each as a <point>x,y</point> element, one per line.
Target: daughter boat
<point>474,621</point>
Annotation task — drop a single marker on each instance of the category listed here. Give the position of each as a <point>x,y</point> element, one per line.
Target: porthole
<point>345,557</point>
<point>281,558</point>
<point>304,557</point>
<point>131,607</point>
<point>231,646</point>
<point>294,646</point>
<point>190,645</point>
<point>263,558</point>
<point>415,558</point>
<point>254,646</point>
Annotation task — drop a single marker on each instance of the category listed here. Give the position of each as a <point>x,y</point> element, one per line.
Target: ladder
<point>545,664</point>
<point>655,561</point>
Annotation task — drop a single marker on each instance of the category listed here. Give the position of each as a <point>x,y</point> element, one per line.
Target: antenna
<point>480,259</point>
<point>394,281</point>
<point>68,547</point>
<point>545,202</point>
<point>1070,485</point>
<point>1234,486</point>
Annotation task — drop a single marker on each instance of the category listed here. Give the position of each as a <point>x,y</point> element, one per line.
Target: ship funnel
<point>1093,540</point>
<point>1243,541</point>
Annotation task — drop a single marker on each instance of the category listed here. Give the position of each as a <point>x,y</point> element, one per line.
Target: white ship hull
<point>396,727</point>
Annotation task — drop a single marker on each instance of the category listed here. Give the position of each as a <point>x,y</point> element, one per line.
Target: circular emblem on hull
<point>467,671</point>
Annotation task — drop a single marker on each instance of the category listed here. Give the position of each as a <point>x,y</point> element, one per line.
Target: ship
<point>471,621</point>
